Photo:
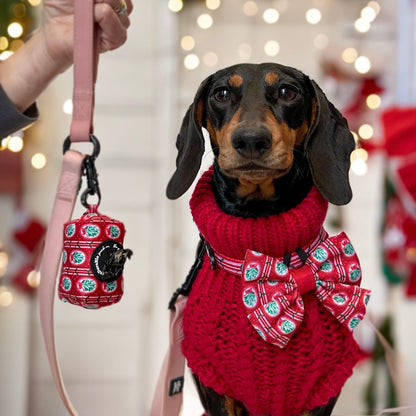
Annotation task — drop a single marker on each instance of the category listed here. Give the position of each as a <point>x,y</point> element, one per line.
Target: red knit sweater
<point>221,346</point>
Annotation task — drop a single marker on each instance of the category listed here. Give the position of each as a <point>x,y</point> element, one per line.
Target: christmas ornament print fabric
<point>89,244</point>
<point>272,292</point>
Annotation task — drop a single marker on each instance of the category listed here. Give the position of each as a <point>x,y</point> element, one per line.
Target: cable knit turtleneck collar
<point>274,235</point>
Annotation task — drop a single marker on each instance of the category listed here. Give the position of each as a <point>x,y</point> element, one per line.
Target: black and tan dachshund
<point>274,135</point>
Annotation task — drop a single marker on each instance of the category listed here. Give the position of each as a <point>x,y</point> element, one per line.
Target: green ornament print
<point>349,249</point>
<point>250,299</point>
<point>353,323</point>
<point>70,230</point>
<point>92,231</point>
<point>355,274</point>
<point>111,286</point>
<point>272,308</point>
<point>339,299</point>
<point>114,231</point>
<point>320,254</point>
<point>288,326</point>
<point>88,285</point>
<point>66,284</point>
<point>251,274</point>
<point>78,257</point>
<point>64,256</point>
<point>281,268</point>
<point>326,266</point>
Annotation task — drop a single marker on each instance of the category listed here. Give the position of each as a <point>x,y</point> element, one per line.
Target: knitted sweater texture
<point>221,346</point>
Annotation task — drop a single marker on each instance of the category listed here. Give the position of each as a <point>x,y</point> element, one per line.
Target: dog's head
<point>258,117</point>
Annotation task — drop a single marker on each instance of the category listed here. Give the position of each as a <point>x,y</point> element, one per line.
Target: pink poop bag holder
<point>93,256</point>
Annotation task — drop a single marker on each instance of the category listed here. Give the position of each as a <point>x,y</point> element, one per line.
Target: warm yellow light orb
<point>349,55</point>
<point>271,48</point>
<point>33,279</point>
<point>366,131</point>
<point>4,262</point>
<point>250,8</point>
<point>38,160</point>
<point>271,16</point>
<point>187,43</point>
<point>359,153</point>
<point>313,16</point>
<point>359,167</point>
<point>362,25</point>
<point>4,43</point>
<point>15,30</point>
<point>175,5</point>
<point>205,21</point>
<point>15,144</point>
<point>6,297</point>
<point>362,64</point>
<point>212,4</point>
<point>191,61</point>
<point>368,14</point>
<point>373,101</point>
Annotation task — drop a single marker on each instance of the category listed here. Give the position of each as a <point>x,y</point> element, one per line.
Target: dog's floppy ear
<point>190,145</point>
<point>329,144</point>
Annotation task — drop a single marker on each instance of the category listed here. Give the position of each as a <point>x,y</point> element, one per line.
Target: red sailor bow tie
<point>272,292</point>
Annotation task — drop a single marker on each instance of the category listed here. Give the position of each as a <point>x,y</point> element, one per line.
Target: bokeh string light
<point>18,21</point>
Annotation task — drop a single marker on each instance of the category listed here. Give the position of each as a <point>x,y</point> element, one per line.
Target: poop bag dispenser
<point>93,255</point>
<point>92,261</point>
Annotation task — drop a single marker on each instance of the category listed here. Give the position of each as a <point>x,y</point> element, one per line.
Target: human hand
<point>57,27</point>
<point>49,52</point>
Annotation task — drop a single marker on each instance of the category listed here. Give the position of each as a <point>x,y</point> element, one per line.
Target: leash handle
<point>86,38</point>
<point>85,70</point>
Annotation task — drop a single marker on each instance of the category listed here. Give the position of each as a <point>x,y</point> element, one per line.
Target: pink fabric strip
<point>85,64</point>
<point>61,213</point>
<point>168,397</point>
<point>85,68</point>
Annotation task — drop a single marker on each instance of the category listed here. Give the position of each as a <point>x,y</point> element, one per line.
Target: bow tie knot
<point>272,291</point>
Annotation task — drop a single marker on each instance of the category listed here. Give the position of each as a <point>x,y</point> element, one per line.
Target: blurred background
<point>363,54</point>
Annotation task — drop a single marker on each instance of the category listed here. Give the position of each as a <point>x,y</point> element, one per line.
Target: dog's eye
<point>287,92</point>
<point>222,95</point>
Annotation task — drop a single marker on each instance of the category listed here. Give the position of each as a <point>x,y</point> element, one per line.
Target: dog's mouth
<point>254,172</point>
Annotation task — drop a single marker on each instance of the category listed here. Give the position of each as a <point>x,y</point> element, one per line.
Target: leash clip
<point>93,188</point>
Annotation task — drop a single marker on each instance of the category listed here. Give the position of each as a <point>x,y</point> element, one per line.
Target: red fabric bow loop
<point>272,291</point>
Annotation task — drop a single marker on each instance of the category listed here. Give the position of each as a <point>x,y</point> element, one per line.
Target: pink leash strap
<point>62,210</point>
<point>168,397</point>
<point>85,68</point>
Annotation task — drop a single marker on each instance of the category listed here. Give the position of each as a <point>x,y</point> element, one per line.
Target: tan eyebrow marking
<point>235,81</point>
<point>271,78</point>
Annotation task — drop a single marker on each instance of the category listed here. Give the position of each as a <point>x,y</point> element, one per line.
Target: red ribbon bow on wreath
<point>272,292</point>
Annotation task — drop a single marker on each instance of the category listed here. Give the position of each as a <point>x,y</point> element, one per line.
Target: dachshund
<point>274,136</point>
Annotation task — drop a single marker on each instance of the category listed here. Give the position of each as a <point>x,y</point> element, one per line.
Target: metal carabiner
<point>88,170</point>
<point>93,140</point>
<point>93,188</point>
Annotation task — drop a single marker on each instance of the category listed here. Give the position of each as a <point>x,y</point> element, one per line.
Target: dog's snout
<point>251,143</point>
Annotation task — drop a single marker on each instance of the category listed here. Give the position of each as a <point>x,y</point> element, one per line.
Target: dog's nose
<point>251,143</point>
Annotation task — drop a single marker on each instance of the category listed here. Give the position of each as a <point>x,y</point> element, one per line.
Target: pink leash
<point>85,64</point>
<point>167,400</point>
